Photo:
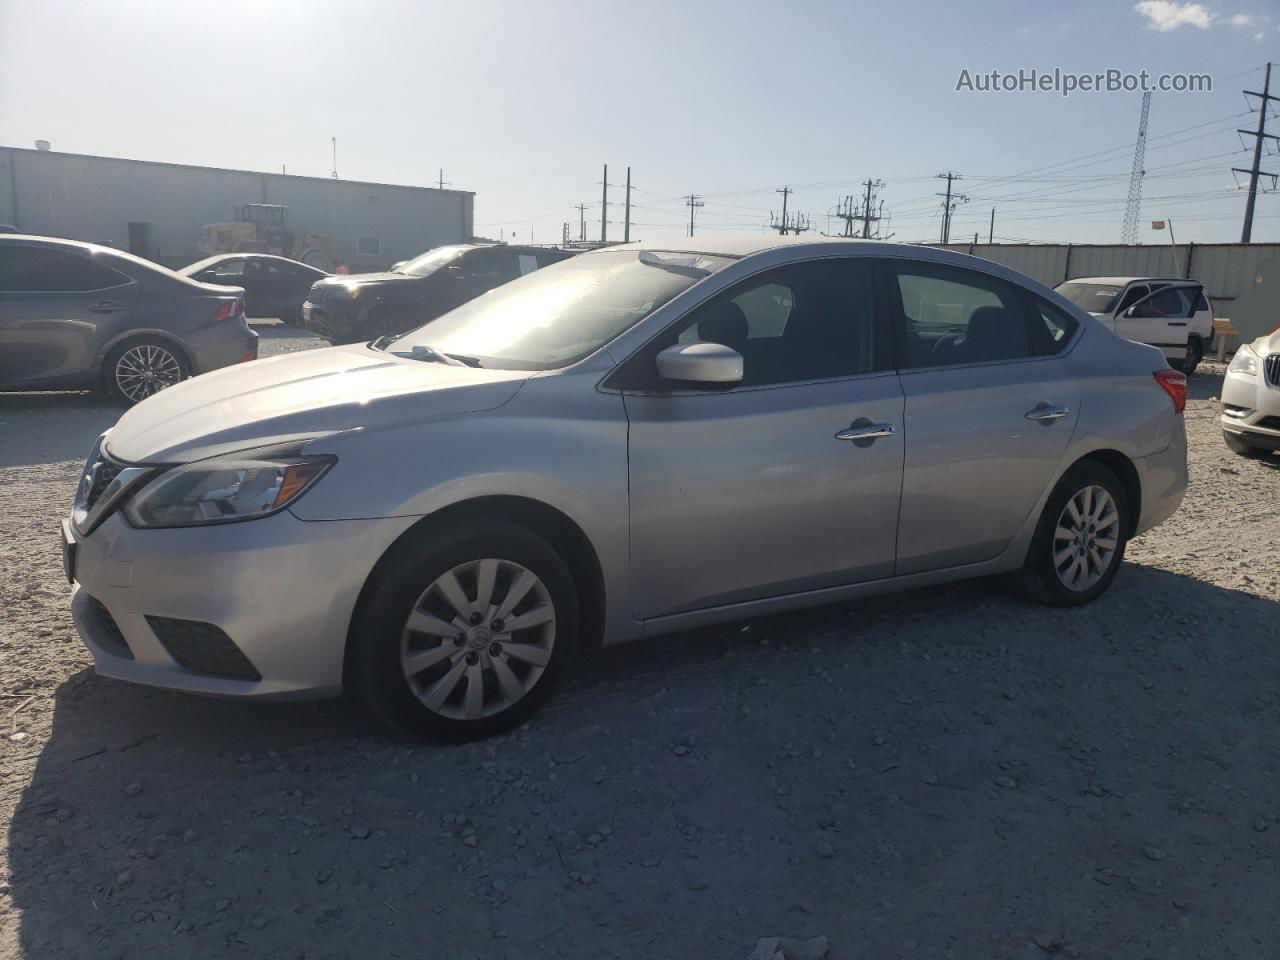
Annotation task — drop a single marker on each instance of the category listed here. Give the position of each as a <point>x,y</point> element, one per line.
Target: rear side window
<point>1202,302</point>
<point>955,316</point>
<point>49,270</point>
<point>1051,329</point>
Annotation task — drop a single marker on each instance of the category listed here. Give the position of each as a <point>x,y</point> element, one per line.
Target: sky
<point>523,102</point>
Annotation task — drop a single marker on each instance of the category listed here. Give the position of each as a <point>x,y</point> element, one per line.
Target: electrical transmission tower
<point>693,202</point>
<point>788,223</point>
<point>949,203</point>
<point>1254,172</point>
<point>1133,206</point>
<point>868,213</point>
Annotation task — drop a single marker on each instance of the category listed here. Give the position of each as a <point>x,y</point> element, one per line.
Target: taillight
<point>1174,383</point>
<point>226,311</point>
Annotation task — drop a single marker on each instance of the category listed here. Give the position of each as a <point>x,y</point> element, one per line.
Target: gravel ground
<point>950,773</point>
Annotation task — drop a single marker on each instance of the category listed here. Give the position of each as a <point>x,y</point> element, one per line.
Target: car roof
<point>737,244</point>
<point>1121,281</point>
<point>94,249</point>
<point>246,255</point>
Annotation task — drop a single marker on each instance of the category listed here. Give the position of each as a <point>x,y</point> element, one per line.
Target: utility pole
<point>867,216</point>
<point>604,207</point>
<point>693,202</point>
<point>1254,172</point>
<point>795,223</point>
<point>949,204</point>
<point>868,213</point>
<point>440,184</point>
<point>582,222</point>
<point>334,141</point>
<point>626,223</point>
<point>564,234</point>
<point>991,234</point>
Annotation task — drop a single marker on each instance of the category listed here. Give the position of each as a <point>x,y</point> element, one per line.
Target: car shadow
<point>43,428</point>
<point>150,815</point>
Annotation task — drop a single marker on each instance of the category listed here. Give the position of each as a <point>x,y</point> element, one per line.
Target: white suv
<point>1165,312</point>
<point>1251,398</point>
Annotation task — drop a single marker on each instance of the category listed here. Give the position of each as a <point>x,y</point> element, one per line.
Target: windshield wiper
<point>430,354</point>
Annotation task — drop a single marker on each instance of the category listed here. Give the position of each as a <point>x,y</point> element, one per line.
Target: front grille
<point>1269,423</point>
<point>99,476</point>
<point>202,648</point>
<point>109,634</point>
<point>1271,367</point>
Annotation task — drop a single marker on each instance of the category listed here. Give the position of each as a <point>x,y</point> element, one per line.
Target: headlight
<point>1245,361</point>
<point>224,491</point>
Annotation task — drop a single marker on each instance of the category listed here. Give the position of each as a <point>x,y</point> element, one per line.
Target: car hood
<point>1267,345</point>
<point>300,396</point>
<point>357,279</point>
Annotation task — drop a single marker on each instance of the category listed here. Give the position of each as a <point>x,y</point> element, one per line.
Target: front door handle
<point>1047,412</point>
<point>867,432</point>
<point>1177,323</point>
<point>106,306</point>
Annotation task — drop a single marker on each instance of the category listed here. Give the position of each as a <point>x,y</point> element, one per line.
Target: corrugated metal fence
<point>1226,269</point>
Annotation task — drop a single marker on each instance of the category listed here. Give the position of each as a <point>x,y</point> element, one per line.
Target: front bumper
<point>282,590</point>
<point>337,320</point>
<point>1251,408</point>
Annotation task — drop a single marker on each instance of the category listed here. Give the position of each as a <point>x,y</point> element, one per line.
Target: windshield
<point>1093,297</point>
<point>429,262</point>
<point>561,313</point>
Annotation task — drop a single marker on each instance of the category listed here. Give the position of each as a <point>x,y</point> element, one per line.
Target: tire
<point>124,372</point>
<point>294,319</point>
<point>1241,446</point>
<point>1195,353</point>
<point>422,680</point>
<point>1051,553</point>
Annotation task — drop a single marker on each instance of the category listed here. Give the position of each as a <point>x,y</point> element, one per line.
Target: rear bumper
<point>1163,480</point>
<point>221,346</point>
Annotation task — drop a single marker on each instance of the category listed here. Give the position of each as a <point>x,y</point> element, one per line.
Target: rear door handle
<point>1047,412</point>
<point>106,306</point>
<point>868,432</point>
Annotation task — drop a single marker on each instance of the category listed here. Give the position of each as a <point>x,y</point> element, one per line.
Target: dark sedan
<point>351,309</point>
<point>273,286</point>
<point>80,316</point>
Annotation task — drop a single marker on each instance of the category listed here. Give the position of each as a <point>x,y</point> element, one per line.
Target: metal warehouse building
<point>159,210</point>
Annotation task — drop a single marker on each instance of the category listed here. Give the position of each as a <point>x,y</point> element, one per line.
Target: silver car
<point>640,439</point>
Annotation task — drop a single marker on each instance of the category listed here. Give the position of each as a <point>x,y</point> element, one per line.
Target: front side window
<point>955,316</point>
<point>49,270</point>
<point>1132,296</point>
<point>803,321</point>
<point>560,314</point>
<point>1169,302</point>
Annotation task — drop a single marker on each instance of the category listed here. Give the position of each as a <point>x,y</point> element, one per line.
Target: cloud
<point>1241,20</point>
<point>1170,15</point>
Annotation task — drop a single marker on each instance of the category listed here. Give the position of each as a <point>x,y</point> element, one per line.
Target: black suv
<point>359,307</point>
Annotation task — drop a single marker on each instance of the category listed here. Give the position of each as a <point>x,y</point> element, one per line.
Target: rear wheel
<point>465,636</point>
<point>137,369</point>
<point>1079,543</point>
<point>1195,353</point>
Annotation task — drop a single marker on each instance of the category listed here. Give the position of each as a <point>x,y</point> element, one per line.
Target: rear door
<point>56,305</point>
<point>1161,319</point>
<point>990,407</point>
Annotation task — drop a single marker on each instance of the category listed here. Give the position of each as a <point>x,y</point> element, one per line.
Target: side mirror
<point>1131,311</point>
<point>700,363</point>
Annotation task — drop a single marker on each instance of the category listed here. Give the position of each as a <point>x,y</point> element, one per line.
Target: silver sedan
<point>640,439</point>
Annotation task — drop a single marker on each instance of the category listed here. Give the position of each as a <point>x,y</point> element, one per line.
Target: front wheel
<point>464,635</point>
<point>137,369</point>
<point>1080,540</point>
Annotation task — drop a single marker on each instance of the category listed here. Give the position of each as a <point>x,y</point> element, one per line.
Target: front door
<point>746,493</point>
<point>990,407</point>
<point>1162,319</point>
